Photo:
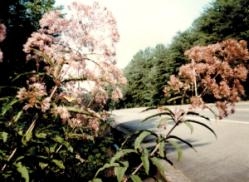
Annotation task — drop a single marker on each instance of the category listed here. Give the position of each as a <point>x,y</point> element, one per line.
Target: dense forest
<point>149,70</point>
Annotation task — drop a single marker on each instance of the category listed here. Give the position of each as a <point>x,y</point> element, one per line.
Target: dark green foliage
<point>42,149</point>
<point>146,75</point>
<point>224,19</point>
<point>162,69</point>
<point>21,17</point>
<point>136,93</point>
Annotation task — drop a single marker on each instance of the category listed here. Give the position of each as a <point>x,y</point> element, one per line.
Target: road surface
<point>225,159</point>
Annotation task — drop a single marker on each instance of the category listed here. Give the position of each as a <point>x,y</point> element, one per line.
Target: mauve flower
<point>187,72</point>
<point>224,89</point>
<point>94,124</point>
<point>2,32</point>
<point>75,122</point>
<point>33,95</point>
<point>22,94</point>
<point>100,96</point>
<point>196,102</point>
<point>2,37</point>
<point>1,56</point>
<point>38,89</point>
<point>217,70</point>
<point>201,68</point>
<point>240,72</point>
<point>62,112</point>
<point>116,94</point>
<point>45,104</point>
<point>175,83</point>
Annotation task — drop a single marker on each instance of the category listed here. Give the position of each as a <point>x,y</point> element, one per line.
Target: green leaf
<point>25,74</point>
<point>23,171</point>
<point>8,106</point>
<point>120,172</point>
<point>161,148</point>
<point>159,165</point>
<point>190,126</point>
<point>43,165</point>
<point>82,111</point>
<point>149,108</point>
<point>175,98</point>
<point>197,114</point>
<point>136,178</point>
<point>157,115</point>
<point>4,136</point>
<point>202,124</point>
<point>17,116</point>
<point>145,161</point>
<point>182,140</point>
<point>106,166</point>
<point>58,139</point>
<point>61,140</point>
<point>28,134</point>
<point>121,153</point>
<point>140,138</point>
<point>19,158</point>
<point>52,148</point>
<point>41,135</point>
<point>177,148</point>
<point>58,163</point>
<point>96,180</point>
<point>41,157</point>
<point>7,97</point>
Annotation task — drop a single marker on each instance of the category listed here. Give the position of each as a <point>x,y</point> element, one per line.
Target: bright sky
<point>146,23</point>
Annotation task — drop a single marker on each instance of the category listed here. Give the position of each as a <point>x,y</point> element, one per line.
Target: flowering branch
<point>219,69</point>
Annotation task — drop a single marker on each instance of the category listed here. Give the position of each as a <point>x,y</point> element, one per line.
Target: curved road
<point>225,159</point>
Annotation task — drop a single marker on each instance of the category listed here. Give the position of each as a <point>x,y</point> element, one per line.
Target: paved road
<point>225,159</point>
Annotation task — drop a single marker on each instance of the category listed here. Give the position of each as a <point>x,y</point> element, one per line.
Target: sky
<point>146,23</point>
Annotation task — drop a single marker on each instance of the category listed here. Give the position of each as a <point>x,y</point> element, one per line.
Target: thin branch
<point>74,79</point>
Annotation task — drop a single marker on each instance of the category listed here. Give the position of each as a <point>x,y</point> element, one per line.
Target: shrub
<point>56,126</point>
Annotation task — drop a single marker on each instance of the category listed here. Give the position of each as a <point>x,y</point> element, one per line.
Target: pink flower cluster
<point>2,37</point>
<point>78,50</point>
<point>34,96</point>
<point>79,47</point>
<point>217,71</point>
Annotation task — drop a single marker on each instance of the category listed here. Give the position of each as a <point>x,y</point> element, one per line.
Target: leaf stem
<point>156,148</point>
<point>9,158</point>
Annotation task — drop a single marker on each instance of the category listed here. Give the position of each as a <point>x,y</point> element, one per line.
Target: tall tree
<point>224,19</point>
<point>137,90</point>
<point>146,75</point>
<point>162,68</point>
